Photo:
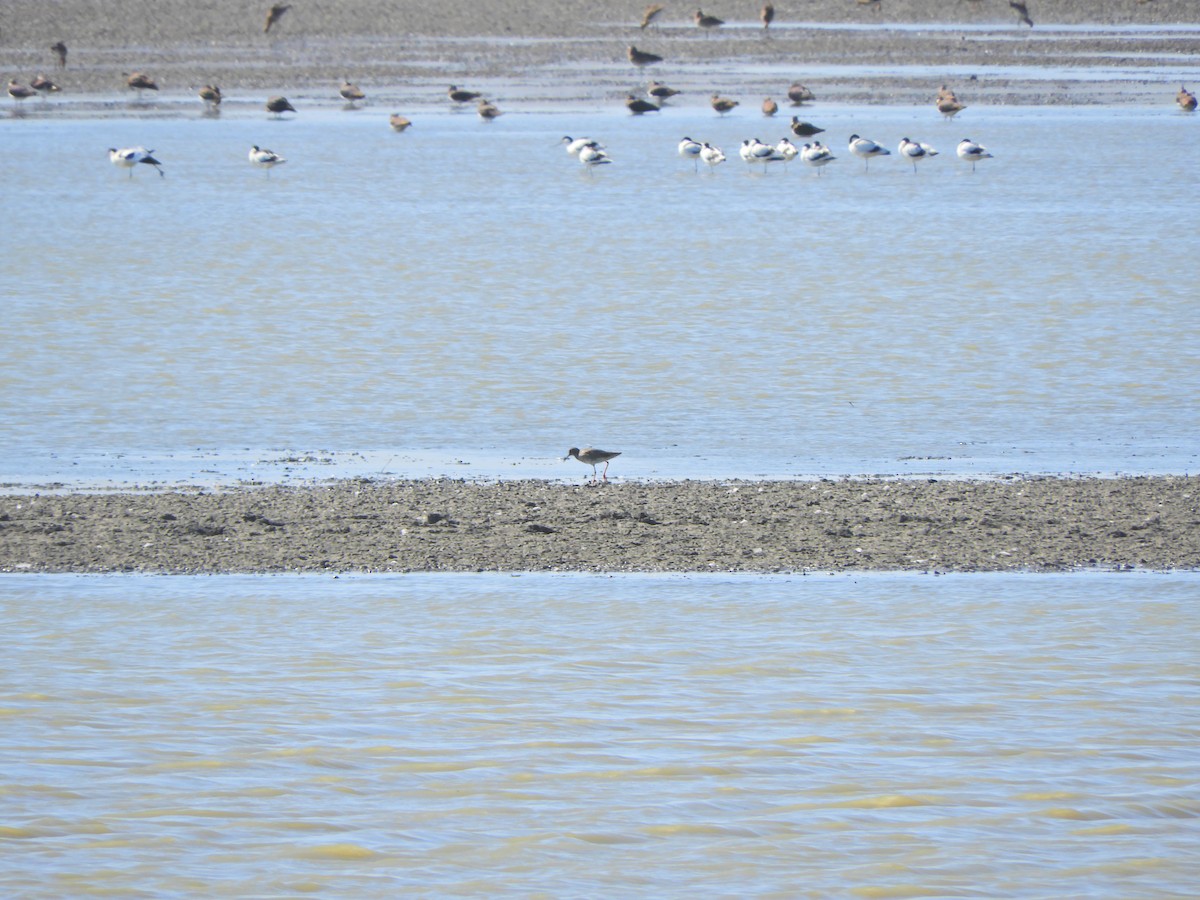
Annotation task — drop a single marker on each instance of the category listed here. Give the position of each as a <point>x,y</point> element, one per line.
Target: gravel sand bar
<point>1011,524</point>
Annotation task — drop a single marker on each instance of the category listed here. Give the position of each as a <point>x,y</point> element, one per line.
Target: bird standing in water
<point>590,456</point>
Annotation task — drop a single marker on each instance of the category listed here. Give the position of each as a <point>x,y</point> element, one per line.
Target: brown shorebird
<point>20,92</point>
<point>590,456</point>
<point>660,91</point>
<point>641,58</point>
<point>722,104</point>
<point>350,92</point>
<point>274,14</point>
<point>398,122</point>
<point>798,94</point>
<point>767,15</point>
<point>59,49</point>
<point>279,105</point>
<point>804,129</point>
<point>211,95</point>
<point>458,95</point>
<point>140,81</point>
<point>650,14</point>
<point>708,23</point>
<point>1022,12</point>
<point>769,107</point>
<point>637,105</point>
<point>949,106</point>
<point>44,86</point>
<point>1186,99</point>
<point>487,111</point>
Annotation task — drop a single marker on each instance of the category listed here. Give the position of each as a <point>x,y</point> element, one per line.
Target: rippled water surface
<point>879,736</point>
<point>465,293</point>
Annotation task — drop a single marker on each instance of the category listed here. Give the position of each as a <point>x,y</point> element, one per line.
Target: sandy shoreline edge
<point>1035,524</point>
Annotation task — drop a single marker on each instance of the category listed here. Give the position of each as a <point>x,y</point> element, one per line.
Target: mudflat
<point>572,52</point>
<point>1037,524</point>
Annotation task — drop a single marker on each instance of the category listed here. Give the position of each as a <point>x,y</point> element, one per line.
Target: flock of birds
<point>591,153</point>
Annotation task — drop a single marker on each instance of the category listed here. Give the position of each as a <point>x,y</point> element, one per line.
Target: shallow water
<point>465,292</point>
<point>821,736</point>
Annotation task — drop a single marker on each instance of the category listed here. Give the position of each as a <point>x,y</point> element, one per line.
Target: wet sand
<point>572,52</point>
<point>1011,524</point>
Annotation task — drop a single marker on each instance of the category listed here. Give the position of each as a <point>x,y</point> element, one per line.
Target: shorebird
<point>44,86</point>
<point>59,49</point>
<point>690,149</point>
<point>769,107</point>
<point>766,15</point>
<point>660,92</point>
<point>264,158</point>
<point>712,156</point>
<point>799,94</point>
<point>575,145</point>
<point>279,105</point>
<point>140,81</point>
<point>754,151</point>
<point>1186,99</point>
<point>708,23</point>
<point>593,155</point>
<point>641,58</point>
<point>949,106</point>
<point>130,157</point>
<point>915,151</point>
<point>350,93</point>
<point>20,92</point>
<point>637,105</point>
<point>590,456</point>
<point>804,129</point>
<point>864,149</point>
<point>969,151</point>
<point>786,150</point>
<point>458,95</point>
<point>398,122</point>
<point>722,104</point>
<point>487,110</point>
<point>1022,12</point>
<point>211,95</point>
<point>816,155</point>
<point>274,14</point>
<point>650,14</point>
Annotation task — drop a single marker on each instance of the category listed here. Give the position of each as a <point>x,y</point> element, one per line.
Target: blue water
<point>464,299</point>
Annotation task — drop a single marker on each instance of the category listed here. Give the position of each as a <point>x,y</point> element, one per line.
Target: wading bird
<point>398,122</point>
<point>459,95</point>
<point>279,105</point>
<point>274,14</point>
<point>590,456</point>
<point>798,94</point>
<point>708,23</point>
<point>650,14</point>
<point>1022,12</point>
<point>969,151</point>
<point>130,157</point>
<point>722,104</point>
<point>641,58</point>
<point>866,149</point>
<point>804,129</point>
<point>59,49</point>
<point>265,159</point>
<point>914,151</point>
<point>350,92</point>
